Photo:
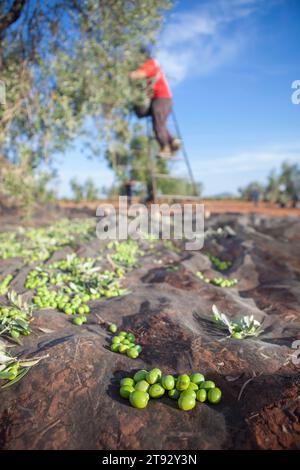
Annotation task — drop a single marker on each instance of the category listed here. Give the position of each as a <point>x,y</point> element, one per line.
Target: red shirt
<point>160,86</point>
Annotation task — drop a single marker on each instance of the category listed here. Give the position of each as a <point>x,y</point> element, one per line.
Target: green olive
<point>186,401</point>
<point>142,385</point>
<point>156,391</point>
<point>192,387</point>
<point>12,376</point>
<point>168,382</point>
<point>126,390</point>
<point>174,394</point>
<point>189,392</point>
<point>130,337</point>
<point>14,334</point>
<point>214,395</point>
<point>140,375</point>
<point>116,340</point>
<point>127,381</point>
<point>132,353</point>
<point>183,382</point>
<point>139,399</point>
<point>113,328</point>
<point>201,395</point>
<point>153,376</point>
<point>114,347</point>
<point>237,335</point>
<point>197,378</point>
<point>207,384</point>
<point>123,348</point>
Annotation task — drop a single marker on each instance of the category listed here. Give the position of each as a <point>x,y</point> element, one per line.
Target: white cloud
<point>198,41</point>
<point>229,172</point>
<point>255,159</point>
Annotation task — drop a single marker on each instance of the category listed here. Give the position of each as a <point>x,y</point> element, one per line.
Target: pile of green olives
<point>218,281</point>
<point>69,304</point>
<point>186,389</point>
<point>124,342</point>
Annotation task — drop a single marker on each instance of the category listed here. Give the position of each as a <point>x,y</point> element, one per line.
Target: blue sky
<point>231,64</point>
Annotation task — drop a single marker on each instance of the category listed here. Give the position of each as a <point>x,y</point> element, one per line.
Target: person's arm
<point>138,74</point>
<point>148,70</point>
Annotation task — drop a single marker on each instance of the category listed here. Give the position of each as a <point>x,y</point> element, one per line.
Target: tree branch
<point>12,16</point>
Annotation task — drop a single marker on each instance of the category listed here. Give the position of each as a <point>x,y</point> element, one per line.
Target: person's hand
<point>137,75</point>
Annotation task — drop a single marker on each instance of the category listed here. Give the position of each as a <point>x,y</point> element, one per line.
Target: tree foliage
<point>281,187</point>
<point>86,191</point>
<point>66,67</point>
<point>248,191</point>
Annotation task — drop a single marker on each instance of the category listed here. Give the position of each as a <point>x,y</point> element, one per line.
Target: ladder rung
<point>163,175</point>
<point>170,196</point>
<point>172,160</point>
<point>133,167</point>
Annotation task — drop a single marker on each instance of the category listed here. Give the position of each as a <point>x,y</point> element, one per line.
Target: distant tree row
<point>87,191</point>
<point>282,188</point>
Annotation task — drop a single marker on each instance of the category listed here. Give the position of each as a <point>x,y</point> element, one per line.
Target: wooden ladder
<point>155,176</point>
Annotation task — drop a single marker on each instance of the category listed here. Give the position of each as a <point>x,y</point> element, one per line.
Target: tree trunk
<point>11,16</point>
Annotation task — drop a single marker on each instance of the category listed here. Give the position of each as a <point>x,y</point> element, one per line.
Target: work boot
<point>165,153</point>
<point>175,145</point>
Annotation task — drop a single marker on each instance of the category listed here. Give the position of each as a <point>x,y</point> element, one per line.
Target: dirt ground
<point>71,401</point>
<point>211,206</point>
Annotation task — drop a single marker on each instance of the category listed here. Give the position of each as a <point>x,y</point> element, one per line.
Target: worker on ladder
<point>159,104</point>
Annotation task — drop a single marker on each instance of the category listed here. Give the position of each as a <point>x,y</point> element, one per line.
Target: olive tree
<point>66,64</point>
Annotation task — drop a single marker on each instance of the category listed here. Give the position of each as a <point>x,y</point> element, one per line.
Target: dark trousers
<point>159,110</point>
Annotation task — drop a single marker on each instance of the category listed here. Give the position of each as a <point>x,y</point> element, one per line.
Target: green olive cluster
<point>38,244</point>
<point>71,269</point>
<point>81,276</point>
<point>219,264</point>
<point>217,281</point>
<point>13,369</point>
<point>126,253</point>
<point>4,285</point>
<point>36,278</point>
<point>68,284</point>
<point>70,305</point>
<point>221,282</point>
<point>124,343</point>
<point>186,389</point>
<point>14,321</point>
<point>10,371</point>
